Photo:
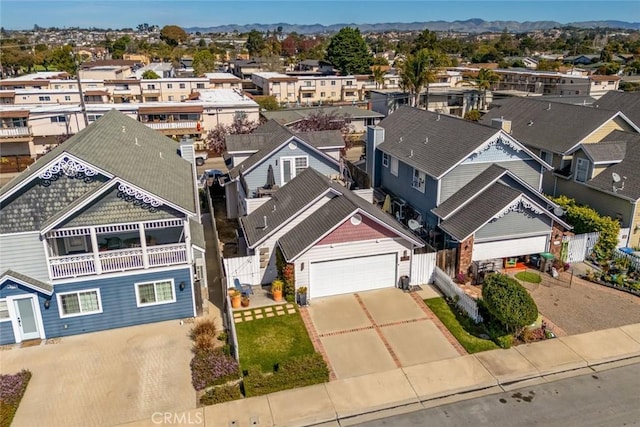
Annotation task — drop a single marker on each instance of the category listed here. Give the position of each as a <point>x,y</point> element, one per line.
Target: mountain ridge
<point>474,25</point>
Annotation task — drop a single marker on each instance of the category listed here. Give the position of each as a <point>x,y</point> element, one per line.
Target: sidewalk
<point>355,400</point>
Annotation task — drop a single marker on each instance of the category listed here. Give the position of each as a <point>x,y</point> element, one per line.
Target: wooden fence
<point>12,164</point>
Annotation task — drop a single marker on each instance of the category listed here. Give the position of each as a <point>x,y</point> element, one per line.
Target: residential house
<point>358,118</point>
<point>100,233</point>
<point>464,185</point>
<point>571,139</point>
<point>273,147</point>
<point>625,102</point>
<point>337,241</point>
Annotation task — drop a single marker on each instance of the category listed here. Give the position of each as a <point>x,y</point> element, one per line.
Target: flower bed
<point>12,388</point>
<point>616,275</point>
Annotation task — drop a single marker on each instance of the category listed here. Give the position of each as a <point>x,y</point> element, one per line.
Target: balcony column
<point>143,245</point>
<point>96,250</point>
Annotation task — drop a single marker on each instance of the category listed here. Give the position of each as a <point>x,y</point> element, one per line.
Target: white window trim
<point>155,282</point>
<point>420,183</point>
<point>385,160</point>
<point>394,169</point>
<point>586,174</point>
<point>8,319</point>
<point>78,292</point>
<point>293,166</point>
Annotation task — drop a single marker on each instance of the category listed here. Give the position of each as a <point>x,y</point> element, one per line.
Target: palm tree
<point>418,71</point>
<point>485,79</point>
<point>378,77</point>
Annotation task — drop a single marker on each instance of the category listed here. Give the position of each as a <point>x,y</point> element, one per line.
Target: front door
<point>26,319</point>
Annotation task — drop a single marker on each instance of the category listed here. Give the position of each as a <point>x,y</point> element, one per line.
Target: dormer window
<point>582,169</point>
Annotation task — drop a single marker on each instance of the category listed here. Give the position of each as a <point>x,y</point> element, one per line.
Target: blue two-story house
<point>102,232</point>
<point>265,160</point>
<point>464,185</point>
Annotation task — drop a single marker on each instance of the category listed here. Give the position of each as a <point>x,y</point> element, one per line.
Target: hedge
<point>221,394</point>
<point>508,302</point>
<point>298,371</point>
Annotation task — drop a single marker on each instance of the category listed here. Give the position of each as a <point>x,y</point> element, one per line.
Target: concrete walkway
<point>354,400</point>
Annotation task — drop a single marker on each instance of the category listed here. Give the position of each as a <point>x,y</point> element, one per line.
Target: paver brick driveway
<point>105,378</point>
<point>376,331</point>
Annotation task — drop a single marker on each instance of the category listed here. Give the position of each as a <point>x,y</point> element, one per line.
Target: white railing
<point>167,254</point>
<point>634,260</point>
<point>173,125</point>
<point>118,260</point>
<point>15,132</point>
<point>72,266</point>
<point>121,260</point>
<point>451,290</point>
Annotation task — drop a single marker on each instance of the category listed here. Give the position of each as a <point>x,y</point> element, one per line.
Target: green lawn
<point>447,316</point>
<point>271,340</point>
<point>528,276</point>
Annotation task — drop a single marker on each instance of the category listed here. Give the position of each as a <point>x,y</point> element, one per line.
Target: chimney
<point>188,152</point>
<point>501,123</point>
<point>375,136</point>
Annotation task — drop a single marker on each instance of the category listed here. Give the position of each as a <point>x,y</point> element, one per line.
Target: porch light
<point>182,286</point>
<point>47,303</point>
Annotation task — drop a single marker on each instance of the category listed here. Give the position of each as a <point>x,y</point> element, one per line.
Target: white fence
<point>580,246</point>
<point>422,267</point>
<point>246,269</point>
<point>451,290</point>
<point>633,259</point>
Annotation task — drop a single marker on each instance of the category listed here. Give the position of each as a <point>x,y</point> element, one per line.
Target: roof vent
<point>530,123</point>
<point>411,155</point>
<point>400,140</point>
<point>549,107</point>
<point>137,145</point>
<point>426,140</point>
<point>265,225</point>
<point>438,118</point>
<point>124,129</point>
<point>161,155</point>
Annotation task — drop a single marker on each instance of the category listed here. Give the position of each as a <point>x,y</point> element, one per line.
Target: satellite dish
<point>615,177</point>
<point>558,211</point>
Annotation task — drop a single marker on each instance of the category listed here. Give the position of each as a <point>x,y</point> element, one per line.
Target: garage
<point>510,247</point>
<point>352,275</point>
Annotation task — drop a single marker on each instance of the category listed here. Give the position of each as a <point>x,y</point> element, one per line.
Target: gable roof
<point>550,126</point>
<point>605,152</point>
<point>627,169</point>
<point>450,139</point>
<point>27,281</point>
<point>627,102</point>
<point>125,148</point>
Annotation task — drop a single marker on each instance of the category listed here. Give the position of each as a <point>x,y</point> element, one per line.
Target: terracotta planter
<point>277,295</point>
<point>236,301</point>
<point>245,302</point>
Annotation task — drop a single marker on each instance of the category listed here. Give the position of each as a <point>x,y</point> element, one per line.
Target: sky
<point>24,14</point>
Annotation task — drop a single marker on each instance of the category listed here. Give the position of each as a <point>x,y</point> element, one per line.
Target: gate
<point>579,246</point>
<point>422,266</point>
<point>446,260</point>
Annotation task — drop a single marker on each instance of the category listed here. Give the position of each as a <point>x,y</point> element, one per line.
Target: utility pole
<point>83,107</point>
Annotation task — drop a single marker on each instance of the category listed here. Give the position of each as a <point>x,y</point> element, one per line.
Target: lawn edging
<point>443,311</point>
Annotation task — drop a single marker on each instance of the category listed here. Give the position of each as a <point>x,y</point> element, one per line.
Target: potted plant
<point>623,264</point>
<point>236,298</point>
<point>245,301</point>
<point>276,289</point>
<point>302,295</point>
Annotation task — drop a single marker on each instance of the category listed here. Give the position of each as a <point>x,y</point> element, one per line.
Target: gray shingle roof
<point>557,129</point>
<point>290,115</point>
<point>197,234</point>
<point>469,191</point>
<point>605,152</point>
<point>256,139</point>
<point>627,102</point>
<point>628,169</point>
<point>450,139</point>
<point>322,138</point>
<point>478,211</point>
<point>44,287</point>
<point>130,150</point>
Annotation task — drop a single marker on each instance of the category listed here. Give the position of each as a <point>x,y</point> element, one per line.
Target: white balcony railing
<point>118,260</point>
<point>173,125</point>
<point>15,132</point>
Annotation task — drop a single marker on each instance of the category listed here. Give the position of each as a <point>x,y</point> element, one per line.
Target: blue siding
<point>400,186</point>
<point>258,176</point>
<point>498,153</point>
<point>9,289</point>
<point>119,304</point>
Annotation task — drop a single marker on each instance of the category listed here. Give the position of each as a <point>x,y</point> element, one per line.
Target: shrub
<point>203,327</point>
<point>532,334</point>
<point>508,302</point>
<point>209,368</point>
<point>221,394</point>
<point>203,343</point>
<point>298,371</point>
<point>12,388</point>
<point>223,336</point>
<point>504,341</point>
<point>288,275</point>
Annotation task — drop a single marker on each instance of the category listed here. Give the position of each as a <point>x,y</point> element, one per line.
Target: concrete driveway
<point>105,378</point>
<point>377,331</point>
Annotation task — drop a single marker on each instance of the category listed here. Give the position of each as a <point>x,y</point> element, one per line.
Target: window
<point>151,99</point>
<point>79,303</point>
<point>155,293</point>
<point>200,85</point>
<point>322,83</point>
<point>170,98</point>
<point>151,86</point>
<point>333,82</point>
<point>4,310</point>
<point>333,94</point>
<point>582,169</point>
<point>307,95</point>
<point>418,181</point>
<point>292,166</point>
<point>385,160</point>
<point>169,85</point>
<point>182,86</point>
<point>58,119</point>
<point>323,94</point>
<point>546,156</point>
<point>44,98</point>
<point>307,83</point>
<point>93,117</point>
<point>349,82</point>
<point>394,166</point>
<point>350,94</point>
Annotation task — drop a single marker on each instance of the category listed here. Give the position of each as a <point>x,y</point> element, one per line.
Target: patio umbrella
<point>271,179</point>
<point>386,206</point>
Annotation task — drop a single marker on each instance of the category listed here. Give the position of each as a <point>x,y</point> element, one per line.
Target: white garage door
<point>352,275</point>
<point>510,248</point>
